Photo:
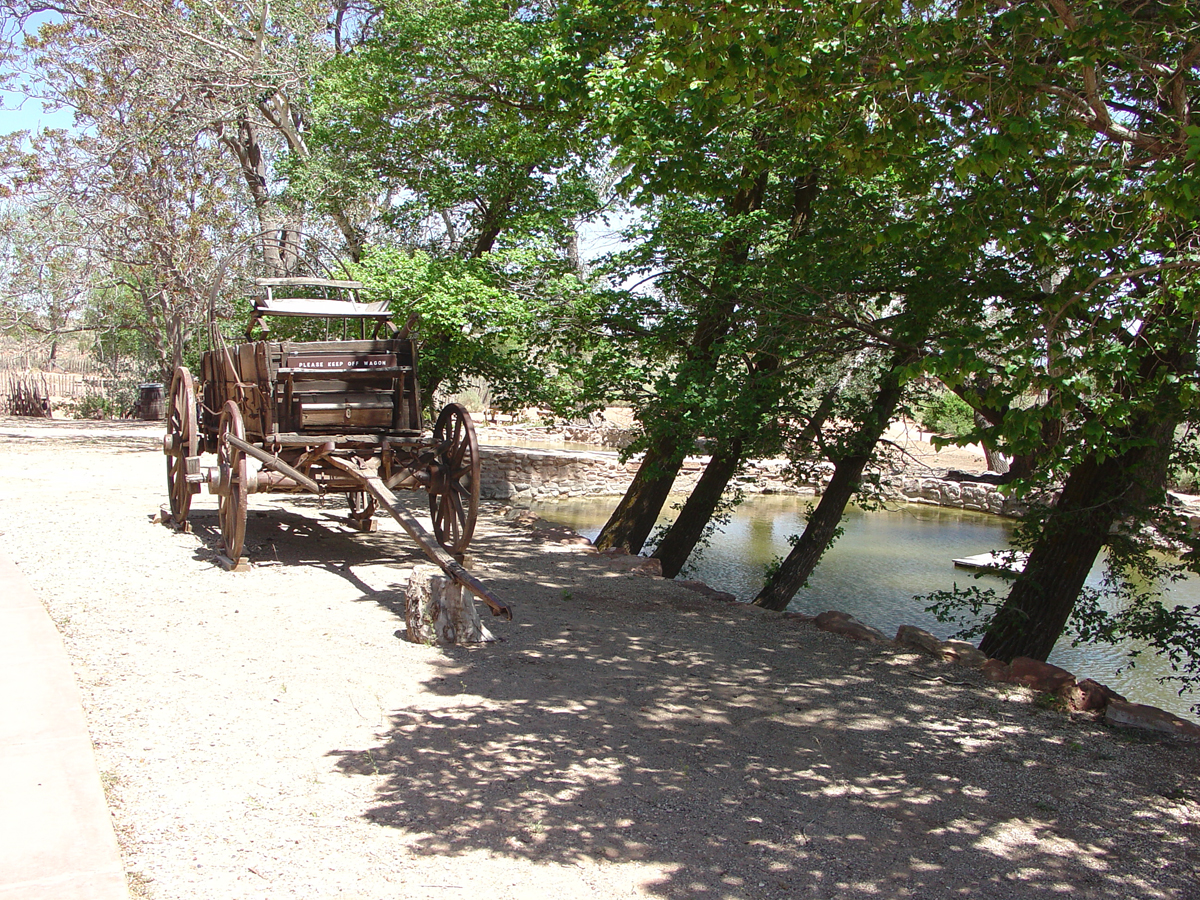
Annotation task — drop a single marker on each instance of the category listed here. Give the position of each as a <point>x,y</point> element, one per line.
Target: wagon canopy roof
<point>309,282</point>
<point>325,307</point>
<point>306,306</point>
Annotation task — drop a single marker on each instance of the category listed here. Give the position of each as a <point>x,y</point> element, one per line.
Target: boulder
<point>964,654</point>
<point>1089,696</point>
<point>1149,718</point>
<point>1033,674</point>
<point>799,617</point>
<point>620,561</point>
<point>649,566</point>
<point>996,670</point>
<point>1040,676</point>
<point>701,588</point>
<point>846,625</point>
<point>918,639</point>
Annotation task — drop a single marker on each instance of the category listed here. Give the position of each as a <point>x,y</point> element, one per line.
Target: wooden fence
<point>24,392</point>
<point>41,362</point>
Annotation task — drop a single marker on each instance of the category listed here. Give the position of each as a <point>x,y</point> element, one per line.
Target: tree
<point>447,114</point>
<point>1099,97</point>
<point>220,71</point>
<point>509,318</point>
<point>151,224</point>
<point>723,185</point>
<point>446,117</point>
<point>47,277</point>
<point>1055,117</point>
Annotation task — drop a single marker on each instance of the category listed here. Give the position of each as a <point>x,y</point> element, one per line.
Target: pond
<point>875,570</point>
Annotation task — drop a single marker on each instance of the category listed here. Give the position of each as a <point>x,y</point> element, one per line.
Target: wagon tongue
<point>448,564</point>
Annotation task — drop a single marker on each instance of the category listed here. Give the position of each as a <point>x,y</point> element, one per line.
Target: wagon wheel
<point>454,479</point>
<point>362,505</point>
<point>232,493</point>
<point>182,440</point>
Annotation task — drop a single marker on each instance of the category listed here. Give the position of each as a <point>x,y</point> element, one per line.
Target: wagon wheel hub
<point>436,475</point>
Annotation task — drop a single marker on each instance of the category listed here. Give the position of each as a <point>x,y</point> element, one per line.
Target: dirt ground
<point>271,734</point>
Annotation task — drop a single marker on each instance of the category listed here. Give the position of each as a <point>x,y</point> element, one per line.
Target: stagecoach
<point>335,415</point>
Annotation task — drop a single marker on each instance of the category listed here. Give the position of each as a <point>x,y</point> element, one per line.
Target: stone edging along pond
<point>1059,687</point>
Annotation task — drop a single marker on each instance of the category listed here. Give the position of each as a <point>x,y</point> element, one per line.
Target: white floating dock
<point>1008,562</point>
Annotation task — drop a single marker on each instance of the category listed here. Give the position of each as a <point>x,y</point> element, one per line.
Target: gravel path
<point>271,735</point>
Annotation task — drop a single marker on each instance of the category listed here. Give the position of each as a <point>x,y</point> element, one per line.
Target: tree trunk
<point>1101,492</point>
<point>818,534</point>
<point>822,525</point>
<point>631,522</point>
<point>1097,496</point>
<point>996,461</point>
<point>683,535</point>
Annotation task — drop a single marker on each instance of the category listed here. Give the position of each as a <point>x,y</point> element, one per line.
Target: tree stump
<point>437,611</point>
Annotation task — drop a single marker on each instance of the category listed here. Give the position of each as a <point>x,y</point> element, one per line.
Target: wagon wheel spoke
<point>458,446</point>
<point>233,491</point>
<point>454,495</point>
<point>449,519</point>
<point>182,440</point>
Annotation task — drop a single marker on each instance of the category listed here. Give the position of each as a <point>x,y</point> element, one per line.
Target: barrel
<point>150,402</point>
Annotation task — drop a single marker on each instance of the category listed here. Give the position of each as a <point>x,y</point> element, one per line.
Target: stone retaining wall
<point>973,495</point>
<point>607,435</point>
<point>522,475</point>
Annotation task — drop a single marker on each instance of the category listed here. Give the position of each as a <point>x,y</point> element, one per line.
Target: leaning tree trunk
<point>1097,496</point>
<point>818,534</point>
<point>822,525</point>
<point>634,518</point>
<point>687,529</point>
<point>683,535</point>
<point>631,522</point>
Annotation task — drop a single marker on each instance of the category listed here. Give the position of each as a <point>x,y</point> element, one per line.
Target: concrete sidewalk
<point>56,834</point>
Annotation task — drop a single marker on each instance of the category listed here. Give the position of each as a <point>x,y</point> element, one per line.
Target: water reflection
<point>882,561</point>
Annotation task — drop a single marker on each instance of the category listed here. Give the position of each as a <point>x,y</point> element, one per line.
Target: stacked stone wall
<point>523,475</point>
<point>972,495</point>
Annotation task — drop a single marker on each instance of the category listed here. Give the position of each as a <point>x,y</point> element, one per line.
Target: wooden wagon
<point>330,416</point>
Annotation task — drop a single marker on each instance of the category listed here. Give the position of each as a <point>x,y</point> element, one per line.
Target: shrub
<point>946,413</point>
<point>94,406</point>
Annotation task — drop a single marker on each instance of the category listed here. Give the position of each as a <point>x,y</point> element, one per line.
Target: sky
<point>20,113</point>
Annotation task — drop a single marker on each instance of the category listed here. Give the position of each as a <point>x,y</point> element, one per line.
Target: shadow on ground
<point>739,755</point>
